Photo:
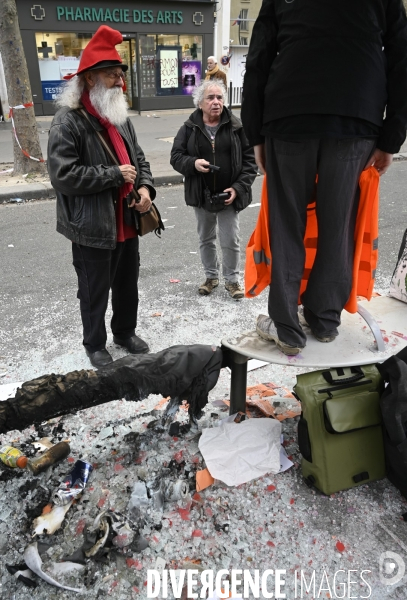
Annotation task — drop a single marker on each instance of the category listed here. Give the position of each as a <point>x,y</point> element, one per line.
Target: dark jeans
<point>98,271</point>
<point>291,169</point>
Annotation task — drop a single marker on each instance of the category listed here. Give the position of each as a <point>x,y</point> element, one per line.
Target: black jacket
<point>338,57</point>
<point>186,150</point>
<point>85,180</point>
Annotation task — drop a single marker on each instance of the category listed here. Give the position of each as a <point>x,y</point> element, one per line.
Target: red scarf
<point>116,139</point>
<point>123,231</point>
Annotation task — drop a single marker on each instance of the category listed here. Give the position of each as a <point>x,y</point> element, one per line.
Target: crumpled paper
<point>239,452</point>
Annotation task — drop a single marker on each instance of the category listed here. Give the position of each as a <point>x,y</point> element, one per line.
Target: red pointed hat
<point>101,52</point>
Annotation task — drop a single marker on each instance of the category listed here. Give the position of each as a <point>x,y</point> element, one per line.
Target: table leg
<point>238,383</point>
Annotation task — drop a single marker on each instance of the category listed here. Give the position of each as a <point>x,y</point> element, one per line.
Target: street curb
<point>45,191</point>
<point>34,191</point>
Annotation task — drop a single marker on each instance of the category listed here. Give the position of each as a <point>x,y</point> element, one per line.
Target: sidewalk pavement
<point>155,133</point>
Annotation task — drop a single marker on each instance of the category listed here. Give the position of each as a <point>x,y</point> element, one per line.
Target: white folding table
<point>375,332</point>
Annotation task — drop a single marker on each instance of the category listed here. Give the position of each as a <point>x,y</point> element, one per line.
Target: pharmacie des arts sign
<point>118,15</point>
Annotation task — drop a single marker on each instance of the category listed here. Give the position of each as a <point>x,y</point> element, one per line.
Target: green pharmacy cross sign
<point>119,15</point>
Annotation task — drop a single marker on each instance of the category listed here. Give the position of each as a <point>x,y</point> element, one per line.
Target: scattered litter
<point>203,480</point>
<point>160,564</point>
<point>66,567</point>
<point>172,206</point>
<point>169,226</point>
<point>6,171</point>
<point>175,280</point>
<point>13,457</point>
<point>43,444</point>
<point>51,521</point>
<point>74,483</point>
<point>34,563</point>
<point>237,453</point>
<point>10,246</point>
<point>285,462</point>
<point>49,457</point>
<point>273,401</point>
<point>22,574</point>
<point>253,363</point>
<point>254,204</point>
<point>18,200</point>
<point>157,314</point>
<point>193,253</point>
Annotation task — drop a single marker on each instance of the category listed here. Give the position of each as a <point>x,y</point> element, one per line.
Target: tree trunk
<point>19,91</point>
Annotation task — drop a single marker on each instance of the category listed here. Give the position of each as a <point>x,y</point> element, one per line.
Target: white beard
<point>109,103</point>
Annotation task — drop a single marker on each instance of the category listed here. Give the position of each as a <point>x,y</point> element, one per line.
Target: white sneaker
<point>268,331</point>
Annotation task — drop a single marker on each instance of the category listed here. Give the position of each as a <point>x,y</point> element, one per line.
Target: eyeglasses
<point>114,75</point>
<point>213,96</point>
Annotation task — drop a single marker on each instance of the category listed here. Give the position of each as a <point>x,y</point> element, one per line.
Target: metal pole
<point>230,95</point>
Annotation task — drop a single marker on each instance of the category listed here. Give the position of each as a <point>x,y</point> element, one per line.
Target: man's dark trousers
<point>98,271</point>
<point>292,168</point>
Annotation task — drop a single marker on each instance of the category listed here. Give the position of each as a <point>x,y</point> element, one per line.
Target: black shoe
<point>100,358</point>
<point>134,344</point>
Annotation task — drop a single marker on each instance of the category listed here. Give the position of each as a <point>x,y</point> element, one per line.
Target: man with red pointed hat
<point>96,165</point>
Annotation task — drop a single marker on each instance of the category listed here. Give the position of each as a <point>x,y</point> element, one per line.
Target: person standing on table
<point>214,72</point>
<point>324,94</point>
<point>93,194</point>
<point>212,152</point>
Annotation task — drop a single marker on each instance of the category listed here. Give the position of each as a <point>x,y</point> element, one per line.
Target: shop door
<point>125,51</point>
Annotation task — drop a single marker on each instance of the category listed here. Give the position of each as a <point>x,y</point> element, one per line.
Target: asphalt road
<point>39,312</point>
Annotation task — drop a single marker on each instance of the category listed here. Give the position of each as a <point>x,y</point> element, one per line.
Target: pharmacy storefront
<point>165,44</point>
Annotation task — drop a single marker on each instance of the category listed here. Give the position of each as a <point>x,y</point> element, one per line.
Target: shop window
<point>59,54</point>
<point>170,64</point>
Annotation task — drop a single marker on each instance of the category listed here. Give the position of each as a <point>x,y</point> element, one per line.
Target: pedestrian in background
<point>214,72</point>
<point>212,152</point>
<point>94,194</point>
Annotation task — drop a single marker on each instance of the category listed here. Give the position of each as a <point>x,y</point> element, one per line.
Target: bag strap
<point>101,138</point>
<point>108,150</point>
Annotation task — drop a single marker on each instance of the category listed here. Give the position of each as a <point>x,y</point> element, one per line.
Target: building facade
<point>165,45</point>
<point>243,14</point>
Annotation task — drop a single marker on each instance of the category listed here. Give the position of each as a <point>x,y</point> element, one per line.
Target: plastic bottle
<point>12,457</point>
<point>50,457</point>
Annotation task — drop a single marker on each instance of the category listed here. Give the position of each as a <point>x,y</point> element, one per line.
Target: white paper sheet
<point>239,452</point>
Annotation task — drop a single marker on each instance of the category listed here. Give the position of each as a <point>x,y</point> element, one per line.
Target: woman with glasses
<point>212,152</point>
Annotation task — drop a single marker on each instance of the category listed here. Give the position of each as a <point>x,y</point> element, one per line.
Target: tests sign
<point>118,15</point>
<point>50,89</point>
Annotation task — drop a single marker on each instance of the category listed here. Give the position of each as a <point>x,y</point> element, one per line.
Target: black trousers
<point>98,271</point>
<point>292,167</point>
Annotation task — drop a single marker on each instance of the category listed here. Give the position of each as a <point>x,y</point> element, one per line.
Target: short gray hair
<point>199,92</point>
<point>213,58</point>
